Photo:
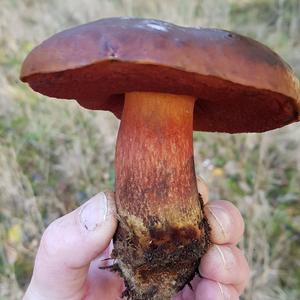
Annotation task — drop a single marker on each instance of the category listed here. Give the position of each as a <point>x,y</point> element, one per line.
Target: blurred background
<point>54,155</point>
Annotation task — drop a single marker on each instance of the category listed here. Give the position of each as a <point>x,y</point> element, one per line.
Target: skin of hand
<point>74,246</point>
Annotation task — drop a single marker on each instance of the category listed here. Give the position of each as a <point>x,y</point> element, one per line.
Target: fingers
<point>211,290</point>
<point>225,221</point>
<point>224,267</point>
<point>225,264</point>
<point>202,189</point>
<point>70,243</point>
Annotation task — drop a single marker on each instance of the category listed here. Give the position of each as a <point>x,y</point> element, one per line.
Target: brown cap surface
<point>240,85</point>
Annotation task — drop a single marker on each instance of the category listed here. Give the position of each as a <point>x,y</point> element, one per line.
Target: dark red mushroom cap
<point>240,84</point>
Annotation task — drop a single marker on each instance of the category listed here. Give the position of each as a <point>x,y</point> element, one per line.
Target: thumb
<point>69,245</point>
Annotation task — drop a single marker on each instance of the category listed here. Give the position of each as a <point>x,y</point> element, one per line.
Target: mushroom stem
<point>162,230</point>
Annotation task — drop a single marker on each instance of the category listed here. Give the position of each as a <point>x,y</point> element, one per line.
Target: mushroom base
<point>158,272</point>
<point>162,230</point>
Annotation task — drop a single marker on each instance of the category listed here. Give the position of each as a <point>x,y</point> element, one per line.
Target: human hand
<point>67,263</point>
<point>224,269</point>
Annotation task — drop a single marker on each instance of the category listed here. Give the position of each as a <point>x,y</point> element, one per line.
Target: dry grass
<point>54,155</point>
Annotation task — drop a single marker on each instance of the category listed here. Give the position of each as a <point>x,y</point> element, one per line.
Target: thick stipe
<point>162,231</point>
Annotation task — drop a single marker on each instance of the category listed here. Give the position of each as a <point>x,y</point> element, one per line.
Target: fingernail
<point>224,292</point>
<point>221,255</point>
<point>94,212</point>
<point>227,258</point>
<point>219,222</point>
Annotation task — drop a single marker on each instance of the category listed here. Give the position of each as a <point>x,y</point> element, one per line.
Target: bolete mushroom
<point>163,81</point>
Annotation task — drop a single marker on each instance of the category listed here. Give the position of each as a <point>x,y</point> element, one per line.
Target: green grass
<point>55,155</point>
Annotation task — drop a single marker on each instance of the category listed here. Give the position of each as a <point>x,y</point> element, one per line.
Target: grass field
<point>54,155</point>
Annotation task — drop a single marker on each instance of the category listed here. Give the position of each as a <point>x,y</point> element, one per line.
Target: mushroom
<point>163,81</point>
